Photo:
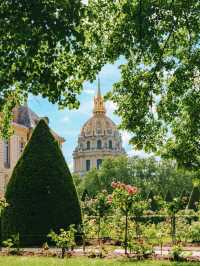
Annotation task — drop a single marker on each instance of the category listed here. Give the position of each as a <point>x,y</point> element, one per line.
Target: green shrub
<point>64,240</point>
<point>41,193</point>
<point>177,253</point>
<point>153,200</point>
<point>194,232</point>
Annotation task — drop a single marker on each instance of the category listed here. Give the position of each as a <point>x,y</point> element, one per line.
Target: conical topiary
<point>84,195</point>
<point>41,193</point>
<point>184,198</point>
<point>168,197</point>
<point>153,203</point>
<point>194,199</point>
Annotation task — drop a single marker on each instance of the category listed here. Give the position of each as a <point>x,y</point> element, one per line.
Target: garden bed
<point>191,253</point>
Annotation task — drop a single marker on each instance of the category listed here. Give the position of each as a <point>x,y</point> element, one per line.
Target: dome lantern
<point>99,107</point>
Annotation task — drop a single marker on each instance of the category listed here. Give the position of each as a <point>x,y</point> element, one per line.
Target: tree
<point>158,94</point>
<point>51,47</point>
<point>40,49</point>
<point>146,173</point>
<point>90,183</point>
<point>194,198</point>
<point>123,198</point>
<point>41,193</point>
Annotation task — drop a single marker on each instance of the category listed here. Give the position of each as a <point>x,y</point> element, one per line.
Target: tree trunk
<point>99,230</point>
<point>84,243</point>
<point>126,233</point>
<point>63,253</point>
<point>173,229</point>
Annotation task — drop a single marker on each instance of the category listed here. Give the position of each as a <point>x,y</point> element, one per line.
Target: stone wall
<point>20,135</point>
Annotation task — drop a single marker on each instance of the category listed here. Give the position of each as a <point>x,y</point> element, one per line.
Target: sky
<point>68,123</point>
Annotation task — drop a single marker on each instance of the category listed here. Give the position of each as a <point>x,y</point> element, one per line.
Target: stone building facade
<point>99,138</point>
<point>24,121</point>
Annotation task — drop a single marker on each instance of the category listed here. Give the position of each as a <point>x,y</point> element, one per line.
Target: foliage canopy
<point>51,47</point>
<point>147,174</point>
<point>158,94</point>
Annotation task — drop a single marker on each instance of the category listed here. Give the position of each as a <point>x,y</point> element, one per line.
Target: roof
<point>24,116</point>
<point>100,123</point>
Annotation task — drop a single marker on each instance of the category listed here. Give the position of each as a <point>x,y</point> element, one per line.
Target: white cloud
<point>139,153</point>
<point>65,119</point>
<point>89,91</point>
<point>126,136</point>
<point>85,108</point>
<point>110,107</point>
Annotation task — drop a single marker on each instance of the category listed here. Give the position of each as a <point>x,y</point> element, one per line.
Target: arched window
<point>88,145</point>
<point>99,162</point>
<point>99,144</point>
<point>7,154</point>
<point>110,144</point>
<point>87,165</point>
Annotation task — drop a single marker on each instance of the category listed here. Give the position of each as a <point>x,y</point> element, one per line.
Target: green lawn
<point>31,261</point>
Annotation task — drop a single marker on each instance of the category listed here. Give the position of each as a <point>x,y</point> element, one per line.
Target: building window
<point>88,145</point>
<point>21,146</point>
<point>7,154</point>
<point>110,144</point>
<point>99,144</point>
<point>99,162</point>
<point>109,131</point>
<point>99,131</point>
<point>87,165</point>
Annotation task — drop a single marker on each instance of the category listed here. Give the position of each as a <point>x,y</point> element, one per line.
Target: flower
<point>130,189</point>
<point>109,198</point>
<point>113,184</point>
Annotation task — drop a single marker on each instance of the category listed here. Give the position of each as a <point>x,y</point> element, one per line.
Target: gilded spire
<point>99,107</point>
<point>99,88</point>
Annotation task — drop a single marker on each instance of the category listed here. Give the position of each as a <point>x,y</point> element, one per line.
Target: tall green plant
<point>41,193</point>
<point>194,198</point>
<point>123,198</point>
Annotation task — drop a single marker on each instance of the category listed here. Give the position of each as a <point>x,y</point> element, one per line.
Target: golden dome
<point>98,125</point>
<point>99,138</point>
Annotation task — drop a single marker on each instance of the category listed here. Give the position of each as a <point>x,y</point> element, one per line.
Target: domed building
<point>99,138</point>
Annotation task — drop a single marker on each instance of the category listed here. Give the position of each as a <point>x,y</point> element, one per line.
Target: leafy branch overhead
<point>158,95</point>
<point>39,51</point>
<point>51,47</point>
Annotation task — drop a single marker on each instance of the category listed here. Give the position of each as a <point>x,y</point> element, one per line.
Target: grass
<point>37,261</point>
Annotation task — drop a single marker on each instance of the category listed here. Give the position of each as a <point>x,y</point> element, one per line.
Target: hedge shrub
<point>41,193</point>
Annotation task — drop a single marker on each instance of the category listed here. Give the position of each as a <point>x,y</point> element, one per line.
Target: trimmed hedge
<point>41,193</point>
<point>168,196</point>
<point>153,204</point>
<point>194,199</point>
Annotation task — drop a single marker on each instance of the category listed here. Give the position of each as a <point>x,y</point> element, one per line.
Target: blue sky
<point>68,123</point>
